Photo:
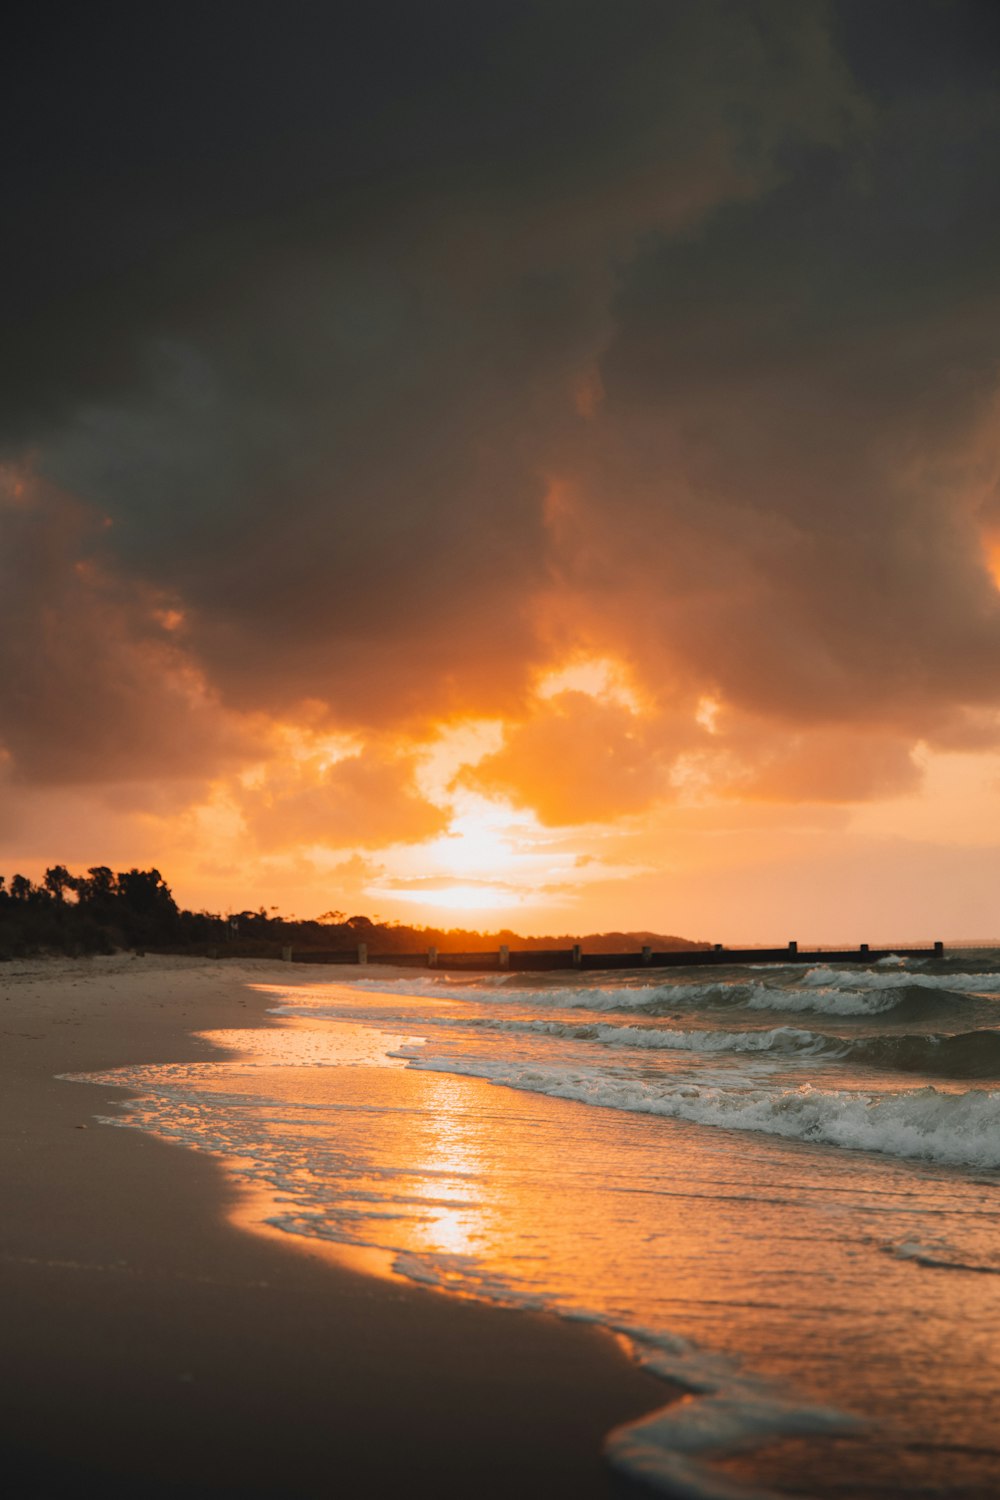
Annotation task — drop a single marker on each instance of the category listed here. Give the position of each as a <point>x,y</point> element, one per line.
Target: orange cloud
<point>366,800</point>
<point>93,687</point>
<point>577,760</point>
<point>833,765</point>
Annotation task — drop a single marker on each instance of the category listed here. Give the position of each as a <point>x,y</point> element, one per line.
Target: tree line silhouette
<point>93,913</point>
<point>104,911</point>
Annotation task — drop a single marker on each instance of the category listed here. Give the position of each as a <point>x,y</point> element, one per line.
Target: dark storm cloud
<point>800,422</point>
<point>92,687</point>
<point>304,299</point>
<point>164,157</point>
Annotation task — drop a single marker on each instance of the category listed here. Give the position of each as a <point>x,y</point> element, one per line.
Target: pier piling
<point>505,959</point>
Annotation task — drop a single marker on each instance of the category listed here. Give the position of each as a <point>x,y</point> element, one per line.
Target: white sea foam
<point>557,997</point>
<point>830,1002</point>
<point>430,986</point>
<point>939,1256</point>
<point>820,990</point>
<point>777,1039</point>
<point>838,992</point>
<point>667,1450</point>
<point>869,979</point>
<point>953,1129</point>
<point>727,1409</point>
<point>648,997</point>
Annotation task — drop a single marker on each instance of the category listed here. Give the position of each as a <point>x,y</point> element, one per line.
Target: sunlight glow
<point>993,558</point>
<point>460,897</point>
<point>707,713</point>
<point>463,743</point>
<point>492,857</point>
<point>297,752</point>
<point>481,839</point>
<point>597,676</point>
<point>170,619</point>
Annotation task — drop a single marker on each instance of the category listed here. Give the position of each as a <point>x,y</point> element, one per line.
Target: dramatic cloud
<point>365,800</point>
<point>93,685</point>
<point>579,760</point>
<point>331,436</point>
<point>361,371</point>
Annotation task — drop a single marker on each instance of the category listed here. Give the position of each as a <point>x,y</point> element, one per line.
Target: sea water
<point>781,1186</point>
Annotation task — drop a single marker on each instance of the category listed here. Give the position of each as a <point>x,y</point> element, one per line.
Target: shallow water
<point>780,1185</point>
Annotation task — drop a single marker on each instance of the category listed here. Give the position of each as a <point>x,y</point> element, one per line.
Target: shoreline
<point>150,1339</point>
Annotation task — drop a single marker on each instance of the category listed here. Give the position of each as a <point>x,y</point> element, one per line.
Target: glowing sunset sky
<point>526,464</point>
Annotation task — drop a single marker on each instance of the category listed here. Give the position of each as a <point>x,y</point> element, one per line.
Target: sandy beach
<point>151,1343</point>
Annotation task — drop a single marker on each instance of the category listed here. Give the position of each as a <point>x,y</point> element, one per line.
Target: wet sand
<point>152,1347</point>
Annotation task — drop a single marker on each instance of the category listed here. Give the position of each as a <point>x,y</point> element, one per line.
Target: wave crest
<point>952,1129</point>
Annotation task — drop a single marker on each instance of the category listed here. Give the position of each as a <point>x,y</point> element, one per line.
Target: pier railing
<point>524,960</point>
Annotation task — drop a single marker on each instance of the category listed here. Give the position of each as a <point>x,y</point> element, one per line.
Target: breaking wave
<point>822,991</point>
<point>972,1054</point>
<point>952,1129</point>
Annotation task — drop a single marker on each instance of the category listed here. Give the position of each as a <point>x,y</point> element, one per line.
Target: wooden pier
<point>528,960</point>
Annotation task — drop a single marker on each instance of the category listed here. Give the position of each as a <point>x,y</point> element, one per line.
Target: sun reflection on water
<point>451,1150</point>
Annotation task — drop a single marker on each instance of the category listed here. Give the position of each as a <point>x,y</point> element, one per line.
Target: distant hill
<point>597,942</point>
<point>398,937</point>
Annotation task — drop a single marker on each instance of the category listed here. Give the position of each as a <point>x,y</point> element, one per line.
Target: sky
<point>525,464</point>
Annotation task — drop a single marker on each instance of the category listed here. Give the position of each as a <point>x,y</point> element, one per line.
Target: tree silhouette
<point>58,881</point>
<point>144,893</point>
<point>100,888</point>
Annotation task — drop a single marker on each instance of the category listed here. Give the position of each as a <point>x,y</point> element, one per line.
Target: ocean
<point>779,1186</point>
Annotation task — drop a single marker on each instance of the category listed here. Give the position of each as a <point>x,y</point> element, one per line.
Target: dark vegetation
<point>103,911</point>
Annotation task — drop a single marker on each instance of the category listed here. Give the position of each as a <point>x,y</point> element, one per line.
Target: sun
<point>460,897</point>
<point>490,858</point>
<point>481,840</point>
